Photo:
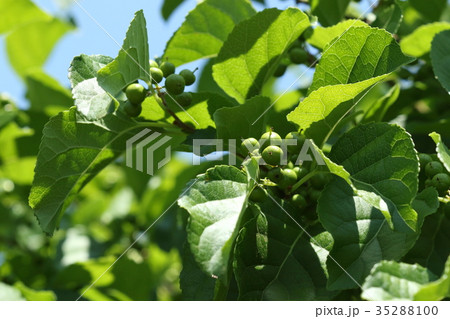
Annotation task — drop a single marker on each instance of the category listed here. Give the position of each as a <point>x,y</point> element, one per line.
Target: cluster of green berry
<point>434,174</point>
<point>282,174</point>
<point>296,55</point>
<point>174,85</point>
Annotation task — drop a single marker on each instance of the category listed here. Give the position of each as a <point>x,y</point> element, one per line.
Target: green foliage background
<point>69,207</point>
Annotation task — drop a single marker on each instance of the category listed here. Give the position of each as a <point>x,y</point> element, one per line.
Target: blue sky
<point>115,17</point>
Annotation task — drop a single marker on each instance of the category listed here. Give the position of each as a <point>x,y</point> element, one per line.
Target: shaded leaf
<point>440,58</point>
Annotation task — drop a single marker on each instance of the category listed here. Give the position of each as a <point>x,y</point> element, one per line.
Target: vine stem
<point>303,180</point>
<point>178,122</point>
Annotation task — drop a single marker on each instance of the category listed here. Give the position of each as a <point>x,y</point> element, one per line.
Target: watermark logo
<point>149,142</point>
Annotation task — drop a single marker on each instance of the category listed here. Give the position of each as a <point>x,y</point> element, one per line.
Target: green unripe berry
<point>258,194</point>
<point>299,201</point>
<point>433,168</point>
<point>288,178</point>
<point>154,64</point>
<point>319,181</point>
<point>175,84</point>
<point>280,70</point>
<point>189,76</point>
<point>249,145</point>
<point>167,68</point>
<point>275,174</point>
<point>299,141</point>
<point>290,165</point>
<point>301,171</point>
<point>132,110</point>
<point>424,159</point>
<point>270,138</point>
<point>272,155</point>
<point>442,183</point>
<point>135,93</point>
<point>156,74</point>
<point>184,99</point>
<point>298,56</point>
<point>428,183</point>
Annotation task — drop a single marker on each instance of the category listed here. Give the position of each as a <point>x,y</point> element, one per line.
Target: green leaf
<point>132,63</point>
<point>323,36</point>
<point>194,283</point>
<point>72,152</point>
<point>320,113</point>
<point>442,150</point>
<point>381,161</point>
<point>362,236</point>
<point>398,281</point>
<point>45,92</point>
<point>14,13</point>
<point>205,29</point>
<point>430,9</point>
<point>253,50</point>
<point>35,295</point>
<point>169,6</point>
<point>274,259</point>
<point>377,111</point>
<point>390,280</point>
<point>440,58</point>
<point>201,112</point>
<point>215,201</point>
<point>85,67</point>
<point>418,43</point>
<point>329,12</point>
<point>360,54</point>
<point>389,16</point>
<point>242,118</point>
<point>382,156</point>
<point>91,99</point>
<point>431,249</point>
<point>29,45</point>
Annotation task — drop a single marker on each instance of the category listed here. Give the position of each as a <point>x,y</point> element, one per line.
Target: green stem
<point>303,180</point>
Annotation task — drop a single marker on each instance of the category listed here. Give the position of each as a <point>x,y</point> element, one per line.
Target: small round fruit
<point>299,141</point>
<point>298,56</point>
<point>319,180</point>
<point>258,194</point>
<point>272,155</point>
<point>249,145</point>
<point>433,168</point>
<point>132,110</point>
<point>154,64</point>
<point>175,84</point>
<point>167,68</point>
<point>442,183</point>
<point>275,174</point>
<point>288,178</point>
<point>270,138</point>
<point>184,99</point>
<point>280,70</point>
<point>290,165</point>
<point>135,93</point>
<point>189,76</point>
<point>424,159</point>
<point>301,171</point>
<point>428,183</point>
<point>299,201</point>
<point>156,75</point>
